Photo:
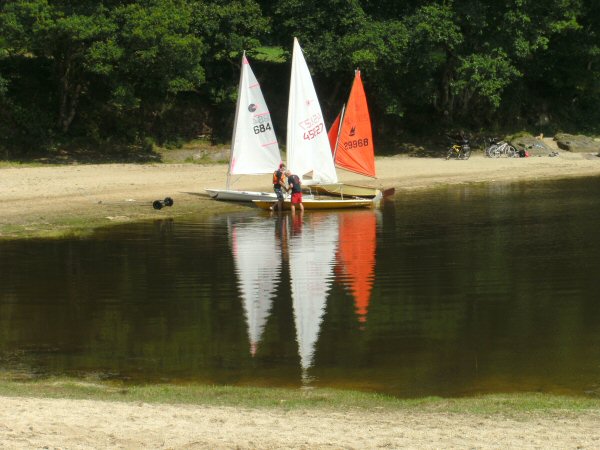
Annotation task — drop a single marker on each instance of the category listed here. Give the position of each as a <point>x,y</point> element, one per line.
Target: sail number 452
<point>313,126</point>
<point>313,132</point>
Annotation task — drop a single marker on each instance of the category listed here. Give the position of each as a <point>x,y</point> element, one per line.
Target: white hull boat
<point>254,149</point>
<point>240,196</point>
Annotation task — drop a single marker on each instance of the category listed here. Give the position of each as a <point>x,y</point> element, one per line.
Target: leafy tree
<point>129,70</point>
<point>434,43</point>
<point>160,58</point>
<point>228,28</point>
<point>75,41</point>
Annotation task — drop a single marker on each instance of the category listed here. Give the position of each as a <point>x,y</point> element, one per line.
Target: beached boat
<point>321,203</point>
<point>240,196</point>
<point>308,150</point>
<point>351,141</point>
<point>254,149</point>
<point>344,190</point>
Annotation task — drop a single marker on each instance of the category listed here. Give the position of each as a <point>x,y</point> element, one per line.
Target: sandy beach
<point>27,423</point>
<point>41,199</point>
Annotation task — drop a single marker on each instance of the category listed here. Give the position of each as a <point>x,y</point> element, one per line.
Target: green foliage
<point>121,71</point>
<point>270,54</point>
<point>160,59</point>
<point>485,76</point>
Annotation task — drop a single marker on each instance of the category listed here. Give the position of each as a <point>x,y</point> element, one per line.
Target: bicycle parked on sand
<point>497,148</point>
<point>460,149</point>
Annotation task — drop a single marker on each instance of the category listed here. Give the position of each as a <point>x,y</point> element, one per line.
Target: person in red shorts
<point>295,185</point>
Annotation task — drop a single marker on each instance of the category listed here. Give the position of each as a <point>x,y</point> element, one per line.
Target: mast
<point>237,112</point>
<point>337,139</point>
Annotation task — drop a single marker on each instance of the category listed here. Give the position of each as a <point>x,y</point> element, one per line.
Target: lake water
<point>455,291</point>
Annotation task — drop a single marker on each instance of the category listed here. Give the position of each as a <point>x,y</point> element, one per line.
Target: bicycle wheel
<point>452,154</point>
<point>511,152</point>
<point>466,153</point>
<point>493,151</point>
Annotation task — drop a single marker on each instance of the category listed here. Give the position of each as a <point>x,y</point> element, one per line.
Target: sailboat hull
<point>322,203</point>
<point>240,196</point>
<point>345,190</point>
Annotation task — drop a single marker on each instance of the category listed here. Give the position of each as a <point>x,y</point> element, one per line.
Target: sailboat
<point>254,148</point>
<point>351,141</point>
<point>308,150</point>
<point>257,259</point>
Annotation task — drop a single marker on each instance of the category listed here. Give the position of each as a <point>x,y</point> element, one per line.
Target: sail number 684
<point>262,128</point>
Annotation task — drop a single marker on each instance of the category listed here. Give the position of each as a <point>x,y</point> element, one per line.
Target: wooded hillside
<point>115,72</point>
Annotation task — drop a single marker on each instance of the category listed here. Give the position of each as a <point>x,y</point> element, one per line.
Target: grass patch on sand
<point>54,228</point>
<point>291,399</point>
<point>84,222</point>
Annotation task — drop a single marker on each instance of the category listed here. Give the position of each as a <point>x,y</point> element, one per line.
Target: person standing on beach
<point>278,186</point>
<point>296,186</point>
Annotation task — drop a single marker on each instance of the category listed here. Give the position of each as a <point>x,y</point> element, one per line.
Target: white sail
<point>254,148</point>
<point>257,258</point>
<point>308,148</point>
<point>312,258</point>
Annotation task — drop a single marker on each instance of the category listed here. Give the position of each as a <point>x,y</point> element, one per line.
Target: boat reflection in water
<point>356,257</point>
<point>257,259</point>
<point>319,248</point>
<point>312,249</point>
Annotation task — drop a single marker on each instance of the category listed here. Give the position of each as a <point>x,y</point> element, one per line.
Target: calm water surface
<point>456,291</point>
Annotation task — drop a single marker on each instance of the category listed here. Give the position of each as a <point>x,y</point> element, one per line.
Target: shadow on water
<point>456,291</point>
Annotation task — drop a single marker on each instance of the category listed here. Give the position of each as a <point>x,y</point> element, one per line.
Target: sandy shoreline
<point>41,198</point>
<point>84,424</point>
<point>44,198</point>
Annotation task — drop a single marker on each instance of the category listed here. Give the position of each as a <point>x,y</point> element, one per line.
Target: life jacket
<point>277,176</point>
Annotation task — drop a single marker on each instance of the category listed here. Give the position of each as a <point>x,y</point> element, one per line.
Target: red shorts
<point>296,198</point>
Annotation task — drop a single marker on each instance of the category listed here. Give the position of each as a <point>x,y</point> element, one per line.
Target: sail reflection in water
<point>257,258</point>
<point>312,249</point>
<point>314,245</point>
<point>356,256</point>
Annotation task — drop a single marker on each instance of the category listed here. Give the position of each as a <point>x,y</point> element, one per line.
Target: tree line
<point>123,72</point>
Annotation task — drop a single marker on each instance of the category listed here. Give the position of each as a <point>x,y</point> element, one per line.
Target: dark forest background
<point>134,74</point>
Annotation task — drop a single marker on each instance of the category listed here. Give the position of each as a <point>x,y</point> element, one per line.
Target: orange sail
<point>333,133</point>
<point>356,255</point>
<point>354,150</point>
